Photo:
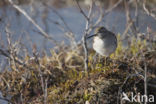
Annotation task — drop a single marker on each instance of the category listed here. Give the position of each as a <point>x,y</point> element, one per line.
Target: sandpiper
<point>104,41</point>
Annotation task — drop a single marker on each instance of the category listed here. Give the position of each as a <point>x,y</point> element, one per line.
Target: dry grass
<point>66,82</point>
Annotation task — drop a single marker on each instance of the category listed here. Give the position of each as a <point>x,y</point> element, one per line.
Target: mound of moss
<point>60,78</point>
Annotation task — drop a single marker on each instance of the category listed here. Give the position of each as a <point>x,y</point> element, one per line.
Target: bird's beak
<point>91,36</point>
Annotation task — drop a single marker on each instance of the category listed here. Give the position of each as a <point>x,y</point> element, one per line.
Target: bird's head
<point>100,29</point>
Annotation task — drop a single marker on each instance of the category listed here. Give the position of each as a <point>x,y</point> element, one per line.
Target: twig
<point>21,98</point>
<point>136,13</point>
<point>121,87</point>
<point>114,6</point>
<point>62,19</point>
<point>69,34</point>
<point>44,20</point>
<point>6,54</point>
<point>106,12</point>
<point>129,19</point>
<point>45,91</point>
<point>145,80</point>
<point>81,11</point>
<point>147,11</point>
<point>126,30</point>
<point>100,18</point>
<point>86,32</point>
<point>7,100</point>
<point>11,49</point>
<point>43,83</point>
<point>39,68</point>
<point>33,22</point>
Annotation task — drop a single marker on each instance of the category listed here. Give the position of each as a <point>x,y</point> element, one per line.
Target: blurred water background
<point>22,28</point>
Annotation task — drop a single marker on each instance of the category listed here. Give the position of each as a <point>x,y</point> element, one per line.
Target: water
<point>22,28</point>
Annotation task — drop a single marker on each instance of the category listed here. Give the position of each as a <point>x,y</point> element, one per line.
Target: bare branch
<point>145,80</point>
<point>36,57</point>
<point>33,22</point>
<point>62,19</point>
<point>130,21</point>
<point>113,7</point>
<point>86,17</point>
<point>45,91</point>
<point>69,34</point>
<point>102,14</point>
<point>147,11</point>
<point>11,49</point>
<point>67,30</point>
<point>86,32</point>
<point>100,17</point>
<point>6,54</point>
<point>136,13</point>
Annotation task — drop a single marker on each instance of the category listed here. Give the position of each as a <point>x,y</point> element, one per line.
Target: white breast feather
<point>100,47</point>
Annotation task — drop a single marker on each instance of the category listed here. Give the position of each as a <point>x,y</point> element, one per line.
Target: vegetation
<point>61,78</point>
<point>65,81</point>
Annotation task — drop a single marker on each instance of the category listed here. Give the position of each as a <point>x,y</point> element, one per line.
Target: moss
<point>67,83</point>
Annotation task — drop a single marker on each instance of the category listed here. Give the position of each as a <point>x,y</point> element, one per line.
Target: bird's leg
<point>106,59</point>
<point>95,58</point>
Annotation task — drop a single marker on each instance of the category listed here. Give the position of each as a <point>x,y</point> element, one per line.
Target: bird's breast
<point>98,45</point>
<point>103,46</point>
<point>98,42</point>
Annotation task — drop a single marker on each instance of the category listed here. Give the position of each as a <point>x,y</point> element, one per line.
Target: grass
<point>67,83</point>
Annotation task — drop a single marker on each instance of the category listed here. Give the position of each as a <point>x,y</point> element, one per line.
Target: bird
<point>104,41</point>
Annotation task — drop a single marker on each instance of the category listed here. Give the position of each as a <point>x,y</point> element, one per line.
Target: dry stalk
<point>43,83</point>
<point>87,17</point>
<point>11,50</point>
<point>18,61</point>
